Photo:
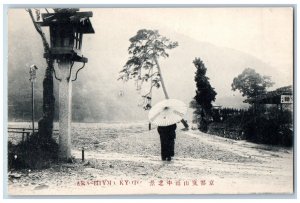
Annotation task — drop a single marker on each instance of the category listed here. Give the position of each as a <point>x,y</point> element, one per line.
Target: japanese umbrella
<point>167,112</point>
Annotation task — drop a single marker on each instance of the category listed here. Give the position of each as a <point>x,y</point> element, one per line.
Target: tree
<point>40,149</point>
<point>145,49</point>
<point>251,83</point>
<point>46,122</point>
<point>205,95</point>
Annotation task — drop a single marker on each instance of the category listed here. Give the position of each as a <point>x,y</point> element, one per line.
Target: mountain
<point>96,91</point>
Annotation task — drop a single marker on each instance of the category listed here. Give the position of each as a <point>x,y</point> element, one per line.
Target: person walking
<point>167,140</point>
<point>165,114</point>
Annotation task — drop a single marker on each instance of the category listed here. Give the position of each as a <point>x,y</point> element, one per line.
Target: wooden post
<point>23,135</point>
<point>32,96</point>
<point>82,154</point>
<point>32,72</point>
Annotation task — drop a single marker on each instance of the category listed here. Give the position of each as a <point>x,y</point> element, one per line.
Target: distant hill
<point>96,92</point>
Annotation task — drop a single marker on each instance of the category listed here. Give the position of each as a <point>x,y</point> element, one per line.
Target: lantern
<point>67,27</point>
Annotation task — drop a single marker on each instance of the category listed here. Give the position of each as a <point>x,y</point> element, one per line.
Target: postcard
<point>150,100</point>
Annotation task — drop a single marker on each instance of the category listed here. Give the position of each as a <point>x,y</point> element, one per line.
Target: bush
<point>34,153</point>
<point>268,130</point>
<point>203,125</point>
<point>273,127</point>
<point>228,128</point>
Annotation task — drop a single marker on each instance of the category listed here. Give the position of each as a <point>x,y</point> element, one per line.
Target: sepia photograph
<point>150,100</point>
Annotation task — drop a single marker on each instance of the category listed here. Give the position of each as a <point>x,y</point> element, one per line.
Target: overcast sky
<point>264,33</point>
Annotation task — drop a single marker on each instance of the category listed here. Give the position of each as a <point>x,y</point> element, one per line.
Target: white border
<point>127,3</point>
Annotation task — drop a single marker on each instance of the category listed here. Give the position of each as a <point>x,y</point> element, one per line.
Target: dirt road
<point>125,159</point>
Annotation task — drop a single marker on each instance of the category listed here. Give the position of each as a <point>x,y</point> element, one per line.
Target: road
<point>126,160</point>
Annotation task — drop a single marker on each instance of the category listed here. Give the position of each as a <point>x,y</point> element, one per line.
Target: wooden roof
<point>271,97</point>
<point>80,20</point>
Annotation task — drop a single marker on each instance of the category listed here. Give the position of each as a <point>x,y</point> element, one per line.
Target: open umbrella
<point>167,112</point>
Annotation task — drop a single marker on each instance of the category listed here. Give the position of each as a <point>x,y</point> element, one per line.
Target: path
<point>131,153</point>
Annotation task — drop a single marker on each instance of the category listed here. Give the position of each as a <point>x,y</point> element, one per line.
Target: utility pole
<point>32,79</point>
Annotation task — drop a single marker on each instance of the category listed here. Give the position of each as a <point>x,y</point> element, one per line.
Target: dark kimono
<point>167,141</point>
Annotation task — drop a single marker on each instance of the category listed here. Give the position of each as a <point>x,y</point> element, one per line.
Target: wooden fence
<point>25,132</point>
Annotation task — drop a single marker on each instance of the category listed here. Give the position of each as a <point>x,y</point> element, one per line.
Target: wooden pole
<point>32,103</point>
<point>23,135</point>
<point>82,154</point>
<point>151,71</point>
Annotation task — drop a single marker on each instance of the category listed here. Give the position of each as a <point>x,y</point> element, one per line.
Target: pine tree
<point>145,49</point>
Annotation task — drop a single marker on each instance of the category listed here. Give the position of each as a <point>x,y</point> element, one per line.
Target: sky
<point>266,33</point>
<point>228,40</point>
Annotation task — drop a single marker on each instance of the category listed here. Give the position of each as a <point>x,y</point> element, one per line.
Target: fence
<point>25,132</point>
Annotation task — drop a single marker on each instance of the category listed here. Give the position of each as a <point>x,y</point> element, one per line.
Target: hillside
<point>96,92</point>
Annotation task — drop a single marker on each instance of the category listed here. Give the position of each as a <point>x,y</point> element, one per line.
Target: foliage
<point>224,113</point>
<point>145,49</point>
<point>270,127</point>
<point>274,130</point>
<point>205,95</point>
<point>250,83</point>
<point>34,153</point>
